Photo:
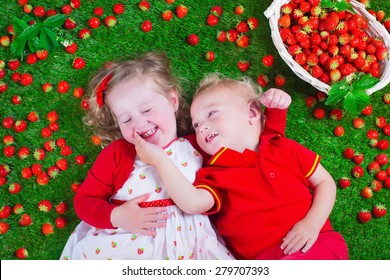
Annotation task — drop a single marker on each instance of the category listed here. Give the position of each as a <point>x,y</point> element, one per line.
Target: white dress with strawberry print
<point>184,237</point>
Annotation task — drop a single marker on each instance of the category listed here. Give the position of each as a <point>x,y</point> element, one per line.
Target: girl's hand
<point>301,237</point>
<point>275,98</point>
<point>147,152</point>
<point>132,218</point>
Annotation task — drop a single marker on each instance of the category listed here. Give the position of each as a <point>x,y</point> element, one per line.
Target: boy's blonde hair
<point>243,86</point>
<point>153,64</point>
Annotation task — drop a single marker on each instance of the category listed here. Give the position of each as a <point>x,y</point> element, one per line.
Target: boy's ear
<point>254,112</point>
<point>174,99</point>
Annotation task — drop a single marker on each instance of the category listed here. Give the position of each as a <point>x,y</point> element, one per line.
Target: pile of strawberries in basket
<point>330,44</point>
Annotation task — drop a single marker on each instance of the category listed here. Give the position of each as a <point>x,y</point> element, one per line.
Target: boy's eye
<point>211,113</point>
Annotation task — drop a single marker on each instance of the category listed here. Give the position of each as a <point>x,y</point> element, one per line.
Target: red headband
<point>100,90</point>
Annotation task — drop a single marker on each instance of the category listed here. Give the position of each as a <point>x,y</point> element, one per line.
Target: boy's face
<point>140,107</point>
<point>222,118</point>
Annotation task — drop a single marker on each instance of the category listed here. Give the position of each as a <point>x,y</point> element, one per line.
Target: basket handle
<point>275,6</point>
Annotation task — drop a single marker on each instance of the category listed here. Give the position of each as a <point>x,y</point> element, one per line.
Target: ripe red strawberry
<point>4,170</point>
<point>20,126</point>
<point>358,123</point>
<point>94,22</point>
<point>26,79</point>
<point>66,9</point>
<point>358,158</point>
<point>66,150</point>
<point>242,26</point>
<point>383,144</point>
<point>268,60</point>
<point>26,172</point>
<point>9,151</point>
<point>78,63</point>
<point>344,182</point>
<point>110,21</point>
<point>8,122</point>
<point>47,229</point>
<point>75,4</point>
<point>53,171</point>
<point>372,134</point>
<point>376,185</point>
<point>210,56</point>
<point>285,20</point>
<point>373,167</point>
<point>253,23</point>
<point>232,35</point>
<point>367,110</point>
<point>16,99</point>
<point>339,131</point>
<point>380,121</point>
<point>357,171</point>
<point>3,180</point>
<point>243,65</point>
<point>381,175</point>
<point>69,23</point>
<point>181,11</point>
<point>5,41</point>
<point>336,114</point>
<point>364,216</point>
<point>78,92</point>
<point>387,182</point>
<point>192,39</point>
<point>14,188</point>
<point>119,8</point>
<point>31,58</point>
<point>379,210</point>
<point>46,132</point>
<point>21,253</point>
<point>63,87</point>
<point>263,80</point>
<point>60,142</point>
<point>8,140</point>
<point>212,20</point>
<point>13,64</point>
<point>367,192</point>
<point>75,186</point>
<point>80,159</point>
<point>33,116</point>
<point>62,164</point>
<point>39,154</point>
<point>61,208</point>
<point>386,130</point>
<point>243,41</point>
<point>43,179</point>
<point>53,126</point>
<point>386,98</point>
<point>25,220</point>
<point>70,47</point>
<point>216,10</point>
<point>239,10</point>
<point>47,87</point>
<point>36,169</point>
<point>84,33</point>
<point>98,11</point>
<point>167,15</point>
<point>60,222</point>
<point>4,227</point>
<point>221,37</point>
<point>144,5</point>
<point>85,104</point>
<point>146,26</point>
<point>45,206</point>
<point>319,113</point>
<point>280,80</point>
<point>382,159</point>
<point>5,211</point>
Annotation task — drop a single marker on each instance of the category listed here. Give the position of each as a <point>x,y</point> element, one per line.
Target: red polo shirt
<point>259,196</point>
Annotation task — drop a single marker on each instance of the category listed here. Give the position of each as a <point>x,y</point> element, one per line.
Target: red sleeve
<point>307,159</point>
<point>91,201</point>
<point>275,122</point>
<point>204,180</point>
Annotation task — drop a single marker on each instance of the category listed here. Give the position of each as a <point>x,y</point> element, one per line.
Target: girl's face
<point>139,107</point>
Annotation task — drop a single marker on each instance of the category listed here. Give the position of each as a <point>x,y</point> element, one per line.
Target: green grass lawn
<point>366,241</point>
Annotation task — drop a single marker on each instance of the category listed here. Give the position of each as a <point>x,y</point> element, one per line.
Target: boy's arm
<point>276,103</point>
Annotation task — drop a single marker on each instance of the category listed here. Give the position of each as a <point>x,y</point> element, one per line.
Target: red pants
<point>330,245</point>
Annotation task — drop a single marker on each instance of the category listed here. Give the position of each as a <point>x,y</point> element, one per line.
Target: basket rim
<point>273,14</point>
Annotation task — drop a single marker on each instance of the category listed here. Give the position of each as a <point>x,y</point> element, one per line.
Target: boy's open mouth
<point>210,137</point>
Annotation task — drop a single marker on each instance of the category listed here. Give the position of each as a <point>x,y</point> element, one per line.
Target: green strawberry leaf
<point>51,38</point>
<point>54,21</point>
<point>365,81</point>
<point>343,6</point>
<point>356,101</point>
<point>326,4</point>
<point>33,44</point>
<point>337,92</point>
<point>19,25</point>
<point>44,42</point>
<point>19,43</point>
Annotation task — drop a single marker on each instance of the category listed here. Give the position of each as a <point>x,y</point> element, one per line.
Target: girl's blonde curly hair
<point>153,64</point>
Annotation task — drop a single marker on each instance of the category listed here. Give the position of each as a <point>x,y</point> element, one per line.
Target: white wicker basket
<point>375,29</point>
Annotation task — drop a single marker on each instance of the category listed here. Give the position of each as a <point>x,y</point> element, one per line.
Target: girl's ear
<point>174,99</point>
<point>254,112</point>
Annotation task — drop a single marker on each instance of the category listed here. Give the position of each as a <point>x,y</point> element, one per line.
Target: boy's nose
<point>204,128</point>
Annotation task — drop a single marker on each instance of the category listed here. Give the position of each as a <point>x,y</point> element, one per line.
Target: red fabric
<point>262,194</point>
<point>112,168</point>
<point>145,204</point>
<point>330,245</point>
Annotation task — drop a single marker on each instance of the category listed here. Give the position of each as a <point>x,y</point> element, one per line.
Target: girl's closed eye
<point>129,120</point>
<point>148,110</point>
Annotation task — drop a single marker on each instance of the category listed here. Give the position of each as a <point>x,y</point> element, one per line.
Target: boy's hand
<point>275,98</point>
<point>147,152</point>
